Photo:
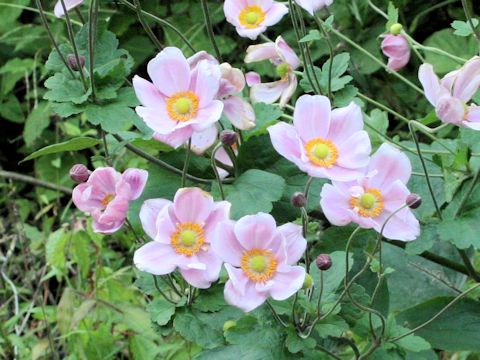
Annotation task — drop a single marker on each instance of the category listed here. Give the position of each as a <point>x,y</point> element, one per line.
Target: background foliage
<point>69,293</point>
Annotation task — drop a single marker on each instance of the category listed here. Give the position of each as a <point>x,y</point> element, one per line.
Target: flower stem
<point>275,315</point>
<point>92,23</point>
<point>147,29</point>
<point>188,155</point>
<point>469,19</point>
<point>209,26</point>
<point>215,170</point>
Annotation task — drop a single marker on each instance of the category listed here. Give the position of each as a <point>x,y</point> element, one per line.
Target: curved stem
<point>275,315</point>
<point>161,292</point>
<point>469,19</point>
<point>215,169</point>
<point>186,164</point>
<point>450,304</point>
<point>92,24</point>
<point>209,26</point>
<point>34,181</point>
<point>145,26</point>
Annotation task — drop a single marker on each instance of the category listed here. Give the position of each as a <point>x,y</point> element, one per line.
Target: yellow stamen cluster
<point>107,199</point>
<point>259,265</point>
<point>182,106</point>
<point>252,16</point>
<point>321,152</point>
<point>188,238</point>
<point>370,204</point>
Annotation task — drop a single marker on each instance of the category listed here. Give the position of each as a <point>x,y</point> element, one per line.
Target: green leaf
<point>376,122</point>
<point>81,254</point>
<point>295,344</point>
<point>62,88</point>
<point>55,249</point>
<point>463,28</point>
<point>161,311</point>
<point>456,329</point>
<point>392,15</point>
<point>339,67</point>
<point>254,191</point>
<point>312,35</point>
<point>36,122</point>
<point>266,115</point>
<point>445,39</point>
<point>75,144</point>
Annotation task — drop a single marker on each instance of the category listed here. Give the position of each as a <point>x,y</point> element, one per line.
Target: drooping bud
<point>228,137</point>
<point>72,62</point>
<point>414,201</point>
<point>308,282</point>
<point>298,200</point>
<point>396,29</point>
<point>324,262</point>
<point>79,173</point>
<point>228,325</point>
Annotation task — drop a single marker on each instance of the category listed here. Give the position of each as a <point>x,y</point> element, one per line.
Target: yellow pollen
<point>182,106</point>
<point>370,204</point>
<point>251,17</point>
<point>107,198</point>
<point>188,238</point>
<point>259,265</point>
<point>321,152</point>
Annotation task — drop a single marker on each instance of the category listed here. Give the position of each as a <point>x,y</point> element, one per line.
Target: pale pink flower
<point>451,95</point>
<point>311,6</point>
<point>69,4</point>
<point>106,195</point>
<point>260,259</point>
<point>252,17</point>
<point>286,61</point>
<point>324,143</point>
<point>181,100</point>
<point>222,156</point>
<point>397,49</point>
<point>182,231</point>
<point>371,199</point>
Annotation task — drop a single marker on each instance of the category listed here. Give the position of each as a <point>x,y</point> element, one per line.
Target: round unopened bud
<point>79,173</point>
<point>414,201</point>
<point>228,137</point>
<point>324,262</point>
<point>308,282</point>
<point>298,200</point>
<point>396,29</point>
<point>72,62</point>
<point>229,324</point>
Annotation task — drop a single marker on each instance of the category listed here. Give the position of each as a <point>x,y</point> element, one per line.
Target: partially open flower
<point>397,49</point>
<point>251,18</point>
<point>182,231</point>
<point>228,137</point>
<point>69,5</point>
<point>285,61</point>
<point>260,259</point>
<point>106,195</point>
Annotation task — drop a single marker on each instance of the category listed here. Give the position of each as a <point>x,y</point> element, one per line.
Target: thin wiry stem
<point>147,29</point>
<point>215,169</point>
<point>469,19</point>
<point>209,26</point>
<point>92,24</point>
<point>188,155</point>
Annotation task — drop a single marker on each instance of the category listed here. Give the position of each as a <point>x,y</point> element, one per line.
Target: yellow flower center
<point>370,204</point>
<point>252,16</point>
<point>282,69</point>
<point>182,106</point>
<point>188,238</point>
<point>322,152</point>
<point>259,265</point>
<point>107,198</point>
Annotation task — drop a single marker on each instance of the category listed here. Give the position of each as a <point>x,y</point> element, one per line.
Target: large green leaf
<point>74,144</point>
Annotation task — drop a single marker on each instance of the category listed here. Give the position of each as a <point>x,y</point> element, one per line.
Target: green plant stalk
<point>330,49</point>
<point>371,56</point>
<point>450,304</point>
<point>71,37</point>
<point>161,22</point>
<point>161,292</point>
<point>92,24</point>
<point>275,315</point>
<point>469,19</point>
<point>209,26</point>
<point>215,170</point>
<point>52,39</point>
<point>34,181</point>
<point>145,26</point>
<point>188,155</point>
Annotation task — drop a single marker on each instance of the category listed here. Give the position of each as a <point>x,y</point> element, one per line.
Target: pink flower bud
<point>397,49</point>
<point>324,262</point>
<point>228,137</point>
<point>298,200</point>
<point>79,173</point>
<point>414,201</point>
<point>72,62</point>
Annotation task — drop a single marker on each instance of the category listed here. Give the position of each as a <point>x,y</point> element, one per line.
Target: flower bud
<point>308,282</point>
<point>396,29</point>
<point>79,173</point>
<point>414,201</point>
<point>229,324</point>
<point>72,62</point>
<point>324,262</point>
<point>228,137</point>
<point>298,200</point>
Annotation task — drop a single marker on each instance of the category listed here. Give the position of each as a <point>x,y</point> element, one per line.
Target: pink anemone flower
<point>451,94</point>
<point>106,195</point>
<point>373,198</point>
<point>260,259</point>
<point>397,49</point>
<point>311,6</point>
<point>252,17</point>
<point>182,231</point>
<point>324,143</point>
<point>286,61</point>
<point>69,5</point>
<point>181,101</point>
